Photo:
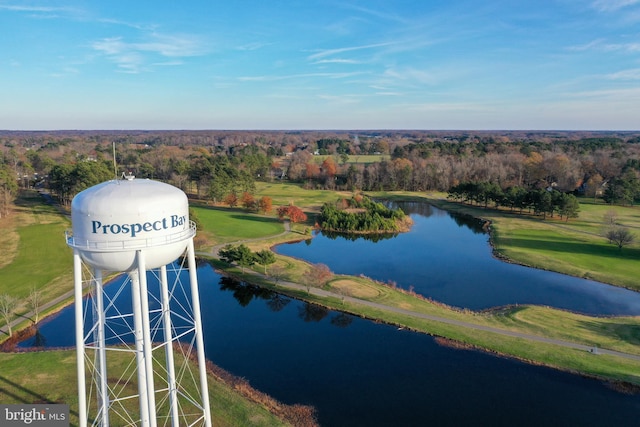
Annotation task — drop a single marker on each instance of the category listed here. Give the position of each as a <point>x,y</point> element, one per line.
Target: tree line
<point>543,201</point>
<point>217,165</point>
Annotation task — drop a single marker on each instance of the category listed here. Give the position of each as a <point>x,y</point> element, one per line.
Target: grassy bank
<point>576,247</point>
<point>50,376</point>
<point>618,333</point>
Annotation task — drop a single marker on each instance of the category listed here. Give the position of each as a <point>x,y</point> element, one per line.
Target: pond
<point>360,373</point>
<point>449,259</point>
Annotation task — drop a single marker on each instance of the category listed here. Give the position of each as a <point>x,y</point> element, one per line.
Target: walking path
<point>328,294</point>
<point>66,297</point>
<point>569,344</point>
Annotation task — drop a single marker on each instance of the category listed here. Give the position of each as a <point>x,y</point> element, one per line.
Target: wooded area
<point>224,165</point>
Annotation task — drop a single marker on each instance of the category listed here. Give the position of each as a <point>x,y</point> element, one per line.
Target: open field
<point>38,257</point>
<point>38,254</point>
<point>223,225</point>
<point>308,200</point>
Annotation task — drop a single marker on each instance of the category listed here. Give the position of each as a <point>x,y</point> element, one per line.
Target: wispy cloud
<point>297,76</point>
<point>39,9</point>
<point>381,14</point>
<point>130,56</point>
<point>43,12</point>
<point>411,75</point>
<point>330,52</point>
<point>601,45</point>
<point>631,74</point>
<point>337,61</point>
<point>252,46</point>
<point>65,72</point>
<point>612,5</point>
<point>341,99</point>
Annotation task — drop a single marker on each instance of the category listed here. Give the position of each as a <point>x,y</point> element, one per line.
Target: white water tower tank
<point>114,219</point>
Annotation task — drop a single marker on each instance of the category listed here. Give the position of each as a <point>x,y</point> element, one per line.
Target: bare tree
<point>278,273</point>
<point>8,305</point>
<point>34,299</point>
<point>620,236</point>
<point>610,217</point>
<point>318,275</point>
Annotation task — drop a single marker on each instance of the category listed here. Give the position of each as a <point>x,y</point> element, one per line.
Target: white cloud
<point>44,12</point>
<point>268,78</point>
<point>131,56</point>
<point>612,5</point>
<point>381,14</point>
<point>600,45</point>
<point>341,99</point>
<point>252,46</point>
<point>631,74</point>
<point>338,61</point>
<point>411,75</point>
<point>37,9</point>
<point>330,52</point>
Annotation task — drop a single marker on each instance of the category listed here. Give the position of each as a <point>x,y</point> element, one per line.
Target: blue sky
<point>254,64</point>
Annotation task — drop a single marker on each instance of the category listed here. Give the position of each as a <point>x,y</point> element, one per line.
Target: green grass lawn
<point>50,377</point>
<point>286,193</point>
<point>42,256</point>
<point>226,225</point>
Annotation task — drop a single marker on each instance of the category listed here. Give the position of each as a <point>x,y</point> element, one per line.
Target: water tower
<point>140,340</point>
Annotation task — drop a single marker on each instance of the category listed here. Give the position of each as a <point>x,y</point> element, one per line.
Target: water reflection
<point>476,225</point>
<point>244,293</point>
<point>312,312</point>
<point>376,237</point>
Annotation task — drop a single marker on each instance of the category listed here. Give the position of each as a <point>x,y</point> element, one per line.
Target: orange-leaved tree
<point>294,213</point>
<point>265,205</point>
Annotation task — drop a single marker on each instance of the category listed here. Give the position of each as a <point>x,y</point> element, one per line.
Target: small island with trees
<point>361,215</point>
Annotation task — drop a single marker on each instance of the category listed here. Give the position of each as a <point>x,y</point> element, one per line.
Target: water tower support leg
<point>197,320</point>
<point>82,387</point>
<point>146,336</point>
<point>137,326</point>
<point>168,345</point>
<point>103,393</point>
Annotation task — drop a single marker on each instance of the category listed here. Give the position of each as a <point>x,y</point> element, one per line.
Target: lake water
<point>360,373</point>
<point>449,258</point>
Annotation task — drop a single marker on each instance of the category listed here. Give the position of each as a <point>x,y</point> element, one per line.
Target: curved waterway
<point>448,258</point>
<point>360,373</point>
